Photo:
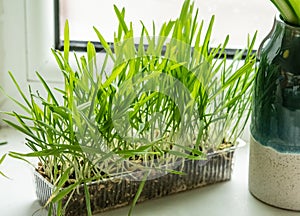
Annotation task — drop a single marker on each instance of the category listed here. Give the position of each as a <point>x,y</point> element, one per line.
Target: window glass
<point>238,18</point>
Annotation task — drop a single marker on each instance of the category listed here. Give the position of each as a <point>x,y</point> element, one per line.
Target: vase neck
<point>281,27</point>
<point>281,33</point>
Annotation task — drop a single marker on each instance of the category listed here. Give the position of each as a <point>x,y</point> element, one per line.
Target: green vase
<point>274,164</point>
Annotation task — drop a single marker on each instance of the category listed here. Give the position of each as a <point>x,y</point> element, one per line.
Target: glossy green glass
<point>276,99</point>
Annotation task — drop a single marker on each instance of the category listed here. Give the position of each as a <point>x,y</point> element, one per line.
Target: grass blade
<point>138,193</point>
<point>66,41</point>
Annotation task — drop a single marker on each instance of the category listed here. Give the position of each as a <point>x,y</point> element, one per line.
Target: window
<point>37,20</point>
<point>238,18</point>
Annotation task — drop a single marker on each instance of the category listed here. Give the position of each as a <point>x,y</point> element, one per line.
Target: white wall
<point>26,36</point>
<point>12,46</point>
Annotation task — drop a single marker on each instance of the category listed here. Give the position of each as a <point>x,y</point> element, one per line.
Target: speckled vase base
<point>274,177</point>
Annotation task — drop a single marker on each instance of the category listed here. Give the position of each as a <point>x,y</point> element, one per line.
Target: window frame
<point>75,45</point>
<point>81,46</point>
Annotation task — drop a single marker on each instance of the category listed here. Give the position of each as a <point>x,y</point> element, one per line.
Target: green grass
<point>175,98</point>
<point>289,10</point>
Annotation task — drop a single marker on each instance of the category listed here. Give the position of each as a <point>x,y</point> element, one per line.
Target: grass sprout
<point>168,98</point>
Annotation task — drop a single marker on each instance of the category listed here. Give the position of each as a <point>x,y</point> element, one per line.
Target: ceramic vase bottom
<point>274,177</point>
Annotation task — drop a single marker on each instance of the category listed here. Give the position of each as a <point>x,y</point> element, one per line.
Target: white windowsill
<point>232,198</point>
